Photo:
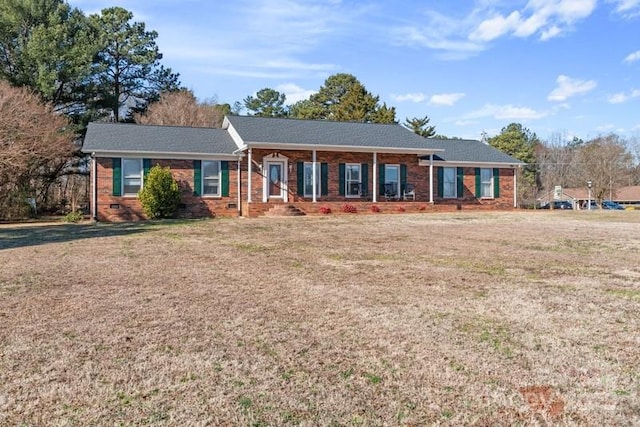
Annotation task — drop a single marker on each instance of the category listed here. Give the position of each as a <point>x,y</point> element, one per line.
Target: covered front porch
<point>315,178</point>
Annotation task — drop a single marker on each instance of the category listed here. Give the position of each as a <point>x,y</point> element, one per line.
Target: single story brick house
<point>256,165</point>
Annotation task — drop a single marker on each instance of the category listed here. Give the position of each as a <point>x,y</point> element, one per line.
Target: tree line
<point>61,69</point>
<point>607,161</point>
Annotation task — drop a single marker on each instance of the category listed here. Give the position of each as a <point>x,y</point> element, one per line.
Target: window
<point>486,183</point>
<point>211,178</point>
<point>308,179</point>
<point>449,183</point>
<point>352,179</point>
<point>132,176</point>
<point>392,178</point>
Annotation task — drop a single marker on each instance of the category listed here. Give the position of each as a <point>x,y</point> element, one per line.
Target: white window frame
<point>486,183</point>
<point>452,186</point>
<point>217,178</point>
<point>131,176</point>
<point>307,176</point>
<point>386,176</point>
<point>348,180</point>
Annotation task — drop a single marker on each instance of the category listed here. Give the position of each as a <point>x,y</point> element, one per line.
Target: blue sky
<point>560,67</point>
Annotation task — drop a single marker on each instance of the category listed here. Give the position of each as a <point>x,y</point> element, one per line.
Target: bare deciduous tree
<point>556,163</point>
<point>606,162</point>
<point>181,108</point>
<point>35,147</point>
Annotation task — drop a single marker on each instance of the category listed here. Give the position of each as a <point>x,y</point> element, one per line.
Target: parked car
<point>558,204</point>
<point>608,204</point>
<point>594,205</point>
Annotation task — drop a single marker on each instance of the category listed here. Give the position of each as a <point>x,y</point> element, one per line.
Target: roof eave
<point>340,148</point>
<point>162,155</point>
<point>512,165</point>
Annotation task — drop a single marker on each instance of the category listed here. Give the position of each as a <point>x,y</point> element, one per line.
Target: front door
<point>275,180</point>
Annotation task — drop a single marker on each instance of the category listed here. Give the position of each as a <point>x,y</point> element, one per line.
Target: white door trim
<point>268,161</point>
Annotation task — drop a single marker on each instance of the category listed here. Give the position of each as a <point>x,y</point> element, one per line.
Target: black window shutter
<point>197,177</point>
<point>117,177</point>
<point>496,183</point>
<point>224,166</point>
<point>460,182</point>
<point>478,184</point>
<point>324,179</point>
<point>403,177</point>
<point>341,177</point>
<point>440,182</point>
<point>300,178</point>
<point>381,179</point>
<point>146,166</point>
<point>365,179</point>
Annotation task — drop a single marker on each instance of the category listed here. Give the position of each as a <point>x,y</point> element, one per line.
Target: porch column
<point>249,175</point>
<point>375,177</point>
<point>431,179</point>
<point>94,187</point>
<point>515,189</point>
<point>314,175</point>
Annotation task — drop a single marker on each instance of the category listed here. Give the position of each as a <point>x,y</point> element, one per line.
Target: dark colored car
<point>608,204</point>
<point>558,204</point>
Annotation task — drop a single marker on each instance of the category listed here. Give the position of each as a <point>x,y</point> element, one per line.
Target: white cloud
<point>568,87</point>
<point>444,34</point>
<point>505,112</point>
<point>447,99</point>
<point>465,122</point>
<point>619,98</point>
<point>294,93</point>
<point>633,57</point>
<point>495,27</point>
<point>413,97</point>
<point>627,8</point>
<point>258,39</point>
<point>548,18</point>
<point>550,33</point>
<point>605,128</point>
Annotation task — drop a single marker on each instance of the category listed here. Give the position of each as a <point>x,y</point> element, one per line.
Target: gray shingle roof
<point>264,130</point>
<point>121,137</point>
<point>168,140</point>
<point>470,151</point>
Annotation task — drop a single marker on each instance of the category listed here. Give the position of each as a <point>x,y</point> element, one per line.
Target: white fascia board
<point>233,133</point>
<point>425,162</point>
<point>342,148</point>
<point>166,156</point>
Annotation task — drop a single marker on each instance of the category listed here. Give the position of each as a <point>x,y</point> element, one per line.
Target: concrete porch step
<point>284,210</point>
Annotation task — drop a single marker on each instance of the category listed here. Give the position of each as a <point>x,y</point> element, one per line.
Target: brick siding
<point>112,208</point>
<point>128,208</point>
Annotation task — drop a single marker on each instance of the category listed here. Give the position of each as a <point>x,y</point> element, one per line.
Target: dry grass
<point>433,319</point>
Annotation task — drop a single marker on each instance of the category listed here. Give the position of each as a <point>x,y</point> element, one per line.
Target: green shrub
<point>160,194</point>
<point>73,216</point>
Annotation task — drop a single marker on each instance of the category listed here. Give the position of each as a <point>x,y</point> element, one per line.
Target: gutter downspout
<point>375,177</point>
<point>515,187</point>
<point>94,191</point>
<point>239,172</point>
<point>240,155</point>
<point>431,178</point>
<point>314,174</point>
<point>249,175</point>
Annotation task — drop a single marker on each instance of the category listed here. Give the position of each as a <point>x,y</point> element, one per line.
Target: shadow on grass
<point>33,235</point>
